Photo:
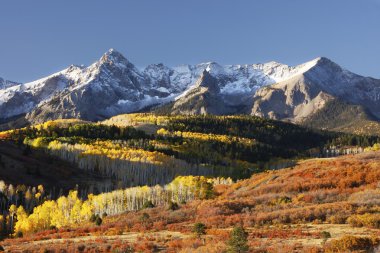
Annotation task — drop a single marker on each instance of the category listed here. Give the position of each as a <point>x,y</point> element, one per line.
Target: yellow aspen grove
<point>71,210</point>
<point>42,215</point>
<point>134,119</point>
<point>23,224</point>
<point>207,137</point>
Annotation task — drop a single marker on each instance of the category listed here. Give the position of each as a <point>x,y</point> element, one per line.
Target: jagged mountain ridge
<point>113,85</point>
<point>6,83</point>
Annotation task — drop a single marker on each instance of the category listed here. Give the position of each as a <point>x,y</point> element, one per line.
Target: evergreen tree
<point>173,206</point>
<point>148,204</point>
<point>144,218</point>
<point>238,241</point>
<point>199,229</point>
<point>98,221</point>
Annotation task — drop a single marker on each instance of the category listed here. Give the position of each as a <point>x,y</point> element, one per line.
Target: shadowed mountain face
<point>113,85</point>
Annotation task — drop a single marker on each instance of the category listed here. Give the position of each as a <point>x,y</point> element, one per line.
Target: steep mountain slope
<point>293,99</point>
<point>337,115</point>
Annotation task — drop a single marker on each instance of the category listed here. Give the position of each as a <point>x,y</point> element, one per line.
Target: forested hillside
<point>230,146</point>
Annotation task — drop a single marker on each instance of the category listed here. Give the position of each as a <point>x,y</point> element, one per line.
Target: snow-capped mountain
<point>320,81</point>
<point>113,85</point>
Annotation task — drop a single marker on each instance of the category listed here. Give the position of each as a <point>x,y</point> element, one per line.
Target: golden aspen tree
<point>12,213</point>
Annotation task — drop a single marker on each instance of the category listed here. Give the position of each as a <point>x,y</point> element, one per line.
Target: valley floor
<point>289,238</point>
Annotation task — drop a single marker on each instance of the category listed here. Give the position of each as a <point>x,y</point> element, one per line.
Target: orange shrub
<point>351,243</point>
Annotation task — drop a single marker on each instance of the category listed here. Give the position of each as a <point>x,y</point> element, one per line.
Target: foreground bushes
<point>365,220</point>
<point>352,243</point>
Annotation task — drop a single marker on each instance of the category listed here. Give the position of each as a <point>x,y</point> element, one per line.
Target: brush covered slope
<point>319,205</point>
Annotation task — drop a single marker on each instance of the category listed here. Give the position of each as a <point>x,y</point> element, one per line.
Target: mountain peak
<point>112,51</point>
<point>206,80</point>
<point>113,55</point>
<point>318,64</point>
<point>323,61</point>
<point>205,77</point>
<point>213,68</point>
<point>324,65</point>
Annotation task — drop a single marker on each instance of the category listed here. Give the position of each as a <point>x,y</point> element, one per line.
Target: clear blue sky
<point>40,37</point>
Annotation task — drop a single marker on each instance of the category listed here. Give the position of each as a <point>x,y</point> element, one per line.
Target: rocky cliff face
<point>203,98</point>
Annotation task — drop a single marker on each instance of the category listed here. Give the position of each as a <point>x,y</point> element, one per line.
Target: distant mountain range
<point>318,93</point>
